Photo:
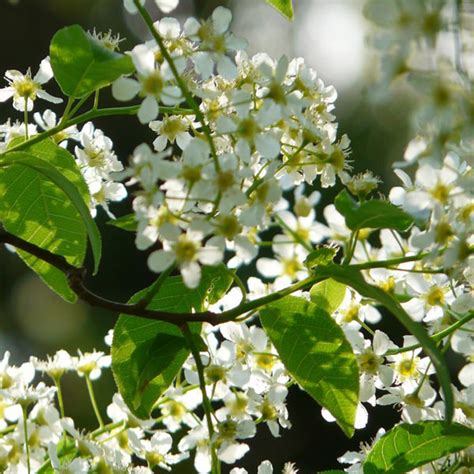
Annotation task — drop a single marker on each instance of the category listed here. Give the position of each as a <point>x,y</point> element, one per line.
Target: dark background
<point>33,321</point>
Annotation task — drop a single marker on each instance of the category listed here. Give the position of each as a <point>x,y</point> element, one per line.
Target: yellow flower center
<point>388,285</point>
<point>171,127</point>
<point>407,368</point>
<point>192,174</point>
<point>214,373</point>
<point>153,84</point>
<point>268,411</point>
<point>302,207</point>
<point>229,226</point>
<point>369,362</point>
<point>291,266</point>
<point>185,250</point>
<point>239,405</point>
<point>154,458</point>
<point>265,361</point>
<point>441,193</point>
<point>225,180</point>
<point>248,129</point>
<point>176,409</point>
<point>351,313</point>
<point>337,159</point>
<point>435,296</point>
<point>26,88</point>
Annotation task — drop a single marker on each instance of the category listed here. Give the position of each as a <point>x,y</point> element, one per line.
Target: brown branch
<point>75,277</point>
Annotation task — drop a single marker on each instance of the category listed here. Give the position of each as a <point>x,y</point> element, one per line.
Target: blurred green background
<point>330,35</point>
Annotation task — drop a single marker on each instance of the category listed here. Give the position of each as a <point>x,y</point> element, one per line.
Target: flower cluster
<point>243,375</point>
<point>243,148</point>
<point>215,177</point>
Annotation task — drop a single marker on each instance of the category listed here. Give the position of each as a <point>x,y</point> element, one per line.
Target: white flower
<point>271,408</point>
<point>102,192</point>
<point>97,152</point>
<point>215,41</point>
<point>25,90</point>
<point>54,366</point>
<point>48,120</point>
<point>265,467</point>
<point>165,6</point>
<point>76,466</point>
<point>157,451</point>
<point>117,411</point>
<point>187,252</point>
<point>178,410</point>
<point>90,364</point>
<point>151,85</point>
<point>289,264</point>
<point>173,129</point>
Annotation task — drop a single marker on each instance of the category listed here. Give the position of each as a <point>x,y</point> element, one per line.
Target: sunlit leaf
<point>372,214</point>
<point>285,7</point>
<point>316,353</point>
<point>81,65</point>
<point>408,446</point>
<point>328,295</point>
<point>147,354</point>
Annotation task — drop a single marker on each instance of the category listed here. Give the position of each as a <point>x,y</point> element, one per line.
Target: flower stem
<point>59,393</point>
<point>25,119</point>
<point>205,399</point>
<point>435,337</point>
<point>85,117</point>
<point>27,441</point>
<point>90,389</point>
<point>179,80</point>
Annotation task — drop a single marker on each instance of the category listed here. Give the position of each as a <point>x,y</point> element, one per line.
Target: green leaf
<point>285,7</point>
<point>146,354</point>
<point>37,210</point>
<point>43,202</point>
<point>316,353</point>
<point>353,278</point>
<point>64,162</point>
<point>328,295</point>
<point>373,214</point>
<point>127,222</point>
<point>323,255</point>
<point>81,65</point>
<point>332,471</point>
<point>409,446</point>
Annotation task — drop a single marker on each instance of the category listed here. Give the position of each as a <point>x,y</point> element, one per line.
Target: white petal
<point>191,274</point>
<point>466,375</point>
<point>160,260</point>
<point>202,461</point>
<point>191,27</point>
<point>160,143</point>
<point>6,93</point>
<point>226,68</point>
<point>381,342</point>
<point>166,5</point>
<point>144,59</point>
<point>268,267</point>
<point>45,73</point>
<point>221,18</point>
<point>362,417</point>
<point>125,88</point>
<point>204,64</point>
<point>148,110</point>
<point>267,146</point>
<point>169,27</point>
<point>162,442</point>
<point>231,453</point>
